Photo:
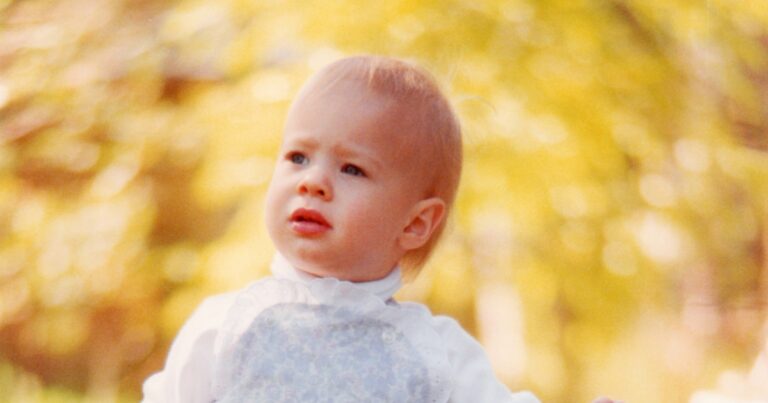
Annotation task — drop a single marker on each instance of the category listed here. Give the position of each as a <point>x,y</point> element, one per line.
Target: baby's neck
<point>385,287</point>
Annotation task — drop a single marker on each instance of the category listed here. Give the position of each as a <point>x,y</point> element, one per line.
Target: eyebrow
<point>351,152</point>
<point>341,150</point>
<point>303,142</point>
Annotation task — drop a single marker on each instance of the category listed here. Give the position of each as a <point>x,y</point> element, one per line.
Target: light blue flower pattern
<point>296,352</point>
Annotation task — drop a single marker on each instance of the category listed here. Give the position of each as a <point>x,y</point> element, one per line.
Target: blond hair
<point>428,119</point>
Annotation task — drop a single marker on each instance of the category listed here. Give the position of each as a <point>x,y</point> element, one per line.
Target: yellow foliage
<point>611,222</point>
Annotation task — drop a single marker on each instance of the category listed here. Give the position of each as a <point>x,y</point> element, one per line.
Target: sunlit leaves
<point>613,200</point>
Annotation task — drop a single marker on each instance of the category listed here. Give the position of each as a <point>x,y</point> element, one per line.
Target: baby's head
<point>367,172</point>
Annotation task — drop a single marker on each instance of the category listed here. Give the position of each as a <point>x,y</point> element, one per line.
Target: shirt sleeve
<point>474,379</point>
<point>187,374</point>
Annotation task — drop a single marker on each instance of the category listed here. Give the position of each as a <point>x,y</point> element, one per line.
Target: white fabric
<point>297,338</point>
<point>384,288</point>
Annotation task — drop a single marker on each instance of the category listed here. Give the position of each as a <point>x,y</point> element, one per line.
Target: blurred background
<point>610,235</point>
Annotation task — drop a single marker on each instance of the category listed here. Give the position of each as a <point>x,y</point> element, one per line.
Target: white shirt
<point>293,337</point>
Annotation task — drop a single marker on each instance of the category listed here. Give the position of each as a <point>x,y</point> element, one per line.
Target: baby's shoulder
<point>209,312</point>
<point>445,326</point>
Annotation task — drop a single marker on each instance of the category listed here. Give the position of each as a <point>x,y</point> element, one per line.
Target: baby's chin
<point>322,272</point>
<point>313,271</point>
<point>312,265</point>
<point>321,262</point>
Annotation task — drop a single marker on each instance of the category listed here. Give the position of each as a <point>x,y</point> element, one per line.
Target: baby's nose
<point>316,184</point>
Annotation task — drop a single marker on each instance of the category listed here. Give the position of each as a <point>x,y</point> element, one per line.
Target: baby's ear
<point>425,217</point>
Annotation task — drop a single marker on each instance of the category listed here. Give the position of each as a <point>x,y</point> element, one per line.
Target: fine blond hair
<point>424,115</point>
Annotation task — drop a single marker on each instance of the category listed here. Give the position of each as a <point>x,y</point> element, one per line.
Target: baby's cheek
<point>370,219</point>
<point>272,216</point>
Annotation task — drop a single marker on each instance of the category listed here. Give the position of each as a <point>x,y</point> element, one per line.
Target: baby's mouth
<point>309,222</point>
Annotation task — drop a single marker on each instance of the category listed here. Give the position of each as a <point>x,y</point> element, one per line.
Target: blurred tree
<point>613,201</point>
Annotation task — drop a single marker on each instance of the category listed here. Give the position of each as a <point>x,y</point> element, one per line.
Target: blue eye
<point>297,158</point>
<point>353,170</point>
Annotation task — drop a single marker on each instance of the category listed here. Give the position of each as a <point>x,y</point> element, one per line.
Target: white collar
<point>384,288</point>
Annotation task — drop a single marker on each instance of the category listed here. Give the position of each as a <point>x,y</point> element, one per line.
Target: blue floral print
<point>296,352</point>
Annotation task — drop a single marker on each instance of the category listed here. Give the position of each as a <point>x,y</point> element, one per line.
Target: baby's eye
<point>297,158</point>
<point>350,169</point>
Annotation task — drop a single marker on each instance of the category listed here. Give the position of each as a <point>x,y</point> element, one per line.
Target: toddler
<point>367,173</point>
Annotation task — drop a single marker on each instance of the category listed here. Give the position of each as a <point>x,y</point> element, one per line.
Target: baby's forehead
<point>334,89</point>
<point>397,119</point>
<point>379,136</point>
<point>401,121</point>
